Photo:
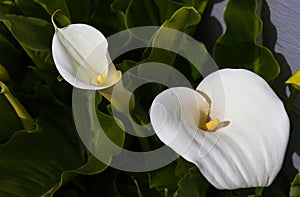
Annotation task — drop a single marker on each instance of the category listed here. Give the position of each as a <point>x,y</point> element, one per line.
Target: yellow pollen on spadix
<point>211,125</point>
<point>100,79</point>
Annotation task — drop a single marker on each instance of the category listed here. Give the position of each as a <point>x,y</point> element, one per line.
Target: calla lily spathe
<point>81,56</point>
<point>235,133</point>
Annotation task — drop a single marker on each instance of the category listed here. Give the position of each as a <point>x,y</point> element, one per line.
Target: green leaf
<point>37,164</point>
<point>106,183</point>
<point>238,48</point>
<point>69,10</point>
<point>259,191</point>
<point>34,33</point>
<point>167,8</point>
<point>31,8</point>
<point>52,5</point>
<point>43,61</point>
<point>183,167</point>
<point>23,115</point>
<point>9,121</point>
<point>10,57</point>
<point>130,11</point>
<point>91,167</point>
<point>31,163</point>
<point>120,7</point>
<point>111,129</point>
<point>5,6</point>
<point>85,10</point>
<point>182,20</point>
<point>295,187</point>
<point>97,132</point>
<point>102,17</point>
<point>141,186</point>
<point>4,76</point>
<point>192,184</point>
<point>37,49</point>
<point>44,66</point>
<point>48,74</point>
<point>43,94</point>
<point>164,178</point>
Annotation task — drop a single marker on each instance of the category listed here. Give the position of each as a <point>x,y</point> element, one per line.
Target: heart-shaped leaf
<point>238,48</point>
<point>34,33</point>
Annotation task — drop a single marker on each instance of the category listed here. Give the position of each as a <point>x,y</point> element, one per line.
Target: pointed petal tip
<point>52,19</point>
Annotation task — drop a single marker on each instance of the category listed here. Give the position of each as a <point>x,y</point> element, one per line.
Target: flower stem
<point>122,93</point>
<point>202,6</point>
<point>26,119</point>
<point>4,74</point>
<point>121,105</point>
<point>258,191</point>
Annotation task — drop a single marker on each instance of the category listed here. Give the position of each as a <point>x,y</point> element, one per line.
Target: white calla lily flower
<point>80,53</point>
<point>235,133</point>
